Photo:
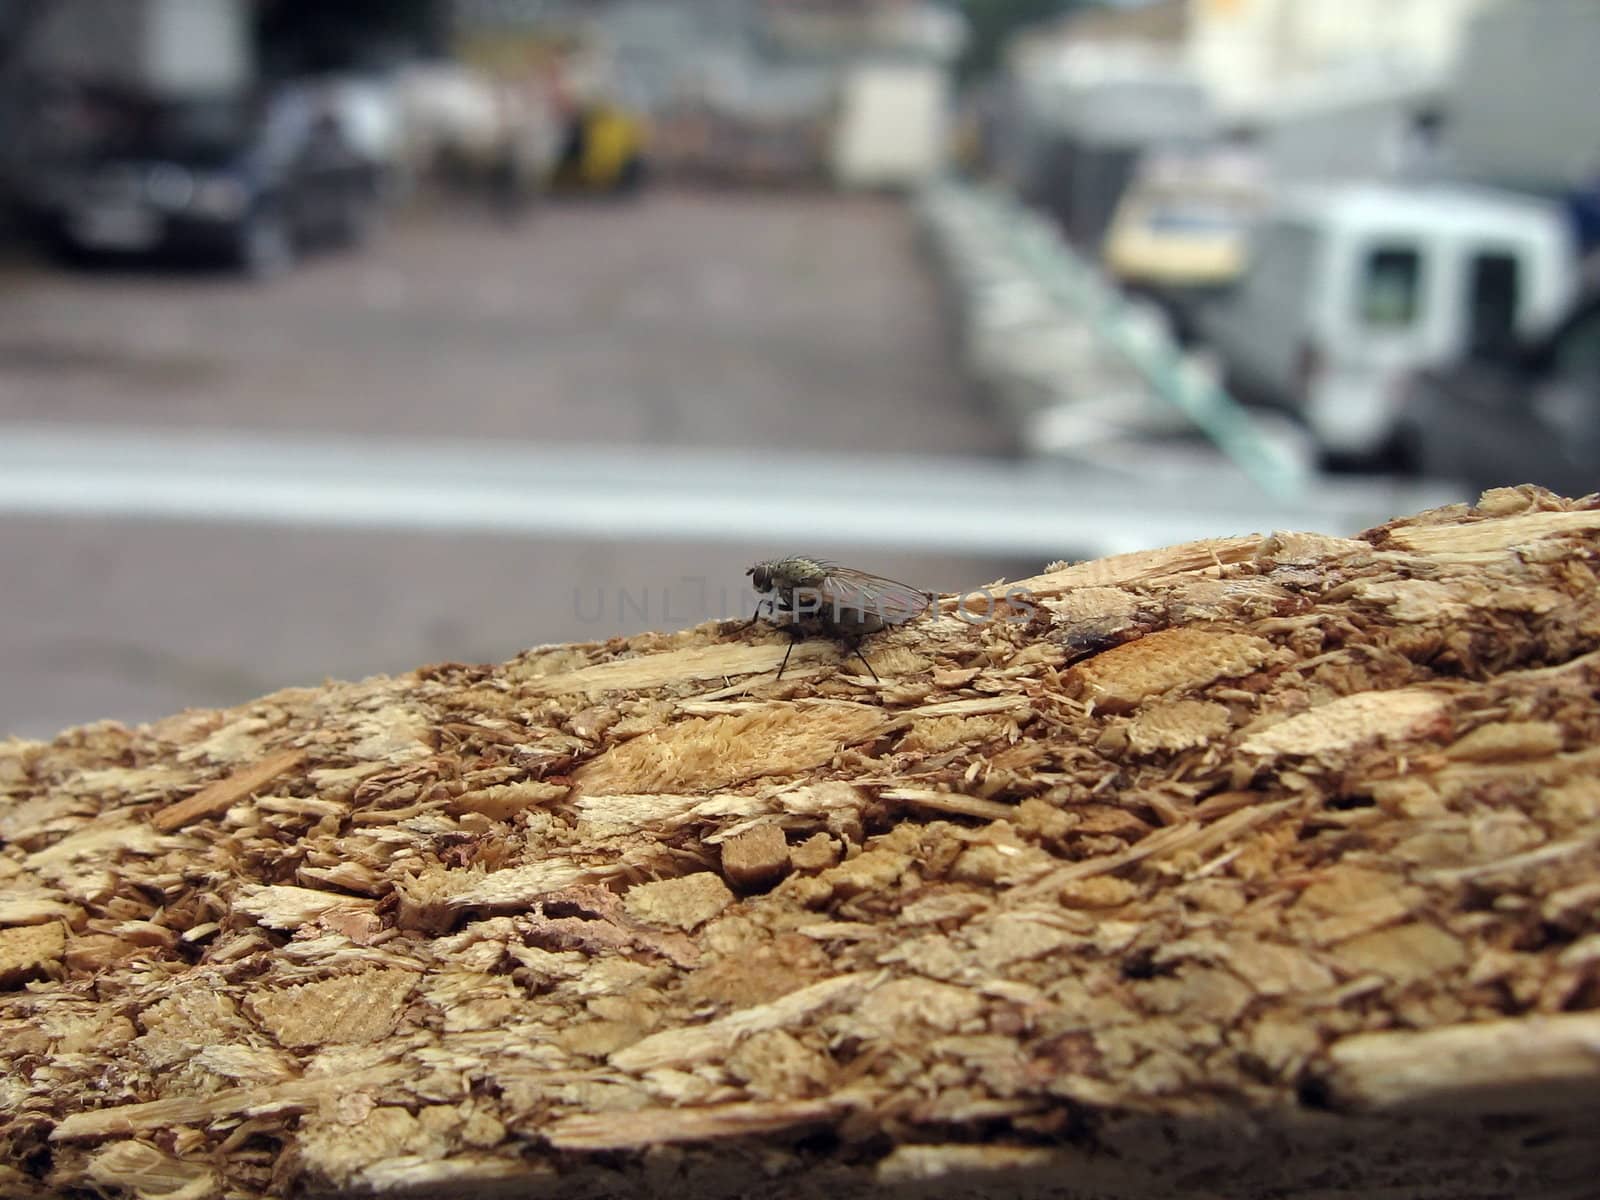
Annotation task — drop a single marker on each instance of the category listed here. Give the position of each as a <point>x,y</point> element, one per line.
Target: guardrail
<point>1049,335</point>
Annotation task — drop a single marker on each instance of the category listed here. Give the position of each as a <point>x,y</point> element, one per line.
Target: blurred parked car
<point>368,110</point>
<point>1182,229</point>
<point>1350,288</point>
<point>251,182</point>
<point>1529,416</point>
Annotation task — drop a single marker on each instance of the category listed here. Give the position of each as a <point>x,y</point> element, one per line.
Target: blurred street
<point>797,321</point>
<point>706,320</point>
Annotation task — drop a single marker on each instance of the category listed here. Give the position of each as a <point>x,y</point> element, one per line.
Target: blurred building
<point>771,90</point>
<point>1521,103</point>
<point>907,29</point>
<point>1158,25</point>
<point>653,49</point>
<point>1254,57</point>
<point>1334,91</point>
<point>1359,89</point>
<point>1255,54</point>
<point>1087,97</point>
<point>1489,91</point>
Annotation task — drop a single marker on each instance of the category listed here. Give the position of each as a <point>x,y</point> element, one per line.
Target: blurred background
<point>336,338</point>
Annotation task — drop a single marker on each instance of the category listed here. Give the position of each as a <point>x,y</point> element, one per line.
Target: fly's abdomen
<point>851,622</point>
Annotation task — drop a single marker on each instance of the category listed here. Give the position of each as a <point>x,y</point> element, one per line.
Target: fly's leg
<point>855,648</point>
<point>796,634</point>
<point>772,613</point>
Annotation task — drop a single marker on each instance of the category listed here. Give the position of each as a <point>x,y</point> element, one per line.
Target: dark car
<point>248,181</point>
<point>1530,414</point>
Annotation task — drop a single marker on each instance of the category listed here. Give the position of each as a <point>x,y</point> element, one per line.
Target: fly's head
<point>761,576</point>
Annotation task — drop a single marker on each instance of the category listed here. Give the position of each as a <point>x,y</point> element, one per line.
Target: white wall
<point>1363,130</point>
<point>1249,51</point>
<point>1523,106</point>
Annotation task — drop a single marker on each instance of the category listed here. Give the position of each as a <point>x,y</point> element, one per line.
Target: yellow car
<point>603,152</point>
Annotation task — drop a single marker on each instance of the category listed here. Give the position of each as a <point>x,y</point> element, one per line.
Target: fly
<point>808,597</point>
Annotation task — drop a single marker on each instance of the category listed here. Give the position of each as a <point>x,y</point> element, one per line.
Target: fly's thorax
<point>781,578</point>
<point>788,574</point>
<point>813,569</point>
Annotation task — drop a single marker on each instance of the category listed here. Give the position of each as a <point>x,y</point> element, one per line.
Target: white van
<point>890,125</point>
<point>1349,288</point>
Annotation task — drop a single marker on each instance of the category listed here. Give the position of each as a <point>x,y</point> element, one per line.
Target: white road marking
<point>954,505</point>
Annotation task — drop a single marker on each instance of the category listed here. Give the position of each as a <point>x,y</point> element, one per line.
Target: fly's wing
<point>849,590</point>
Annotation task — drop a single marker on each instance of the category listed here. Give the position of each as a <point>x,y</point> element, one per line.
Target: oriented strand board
<point>1261,867</point>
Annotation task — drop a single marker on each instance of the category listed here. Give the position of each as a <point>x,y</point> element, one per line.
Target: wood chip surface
<point>1263,867</point>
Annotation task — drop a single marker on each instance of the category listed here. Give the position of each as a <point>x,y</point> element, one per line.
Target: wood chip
<point>225,793</point>
<point>1531,1065</point>
<point>755,859</point>
<point>1351,721</point>
<point>666,1126</point>
<point>684,903</point>
<point>25,951</point>
<point>347,1008</point>
<point>1167,661</point>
